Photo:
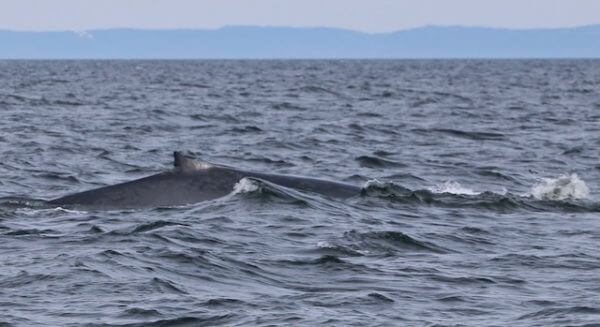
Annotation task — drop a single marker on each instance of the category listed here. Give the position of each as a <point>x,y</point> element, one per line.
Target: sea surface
<point>480,201</point>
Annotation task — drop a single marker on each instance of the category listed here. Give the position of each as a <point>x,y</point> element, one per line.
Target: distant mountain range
<point>238,42</point>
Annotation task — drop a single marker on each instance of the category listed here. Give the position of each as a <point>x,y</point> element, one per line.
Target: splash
<point>564,187</point>
<point>245,185</point>
<point>453,187</point>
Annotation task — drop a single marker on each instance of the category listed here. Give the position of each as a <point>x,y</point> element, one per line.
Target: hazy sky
<point>362,15</point>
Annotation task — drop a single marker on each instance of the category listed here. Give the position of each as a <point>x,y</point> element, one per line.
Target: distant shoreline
<point>271,43</point>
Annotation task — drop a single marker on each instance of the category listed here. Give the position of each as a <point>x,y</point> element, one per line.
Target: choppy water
<point>480,200</point>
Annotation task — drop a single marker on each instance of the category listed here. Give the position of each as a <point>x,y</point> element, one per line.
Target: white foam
<point>453,187</point>
<point>32,212</point>
<point>561,188</point>
<point>503,191</point>
<point>373,183</point>
<point>245,185</point>
<point>324,244</point>
<point>327,245</point>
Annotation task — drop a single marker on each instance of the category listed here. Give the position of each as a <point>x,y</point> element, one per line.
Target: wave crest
<point>246,185</point>
<point>257,189</point>
<point>561,194</point>
<point>453,187</point>
<point>564,187</point>
<point>375,187</point>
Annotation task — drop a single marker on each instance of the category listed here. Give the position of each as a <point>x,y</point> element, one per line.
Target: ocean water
<point>479,202</point>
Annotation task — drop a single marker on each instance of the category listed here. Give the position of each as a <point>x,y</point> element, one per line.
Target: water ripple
<point>479,193</point>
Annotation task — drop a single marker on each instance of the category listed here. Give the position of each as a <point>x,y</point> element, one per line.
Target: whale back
<point>190,182</point>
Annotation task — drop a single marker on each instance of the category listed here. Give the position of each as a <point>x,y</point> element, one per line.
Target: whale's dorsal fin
<point>186,164</point>
<point>180,161</point>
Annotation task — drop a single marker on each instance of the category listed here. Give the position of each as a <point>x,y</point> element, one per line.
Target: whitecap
<point>373,183</point>
<point>561,188</point>
<point>245,185</point>
<point>453,187</point>
<point>324,244</point>
<point>503,191</point>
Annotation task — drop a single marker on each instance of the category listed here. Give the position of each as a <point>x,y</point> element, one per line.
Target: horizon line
<point>300,27</point>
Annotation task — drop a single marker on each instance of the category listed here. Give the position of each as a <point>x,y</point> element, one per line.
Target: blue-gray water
<point>480,200</point>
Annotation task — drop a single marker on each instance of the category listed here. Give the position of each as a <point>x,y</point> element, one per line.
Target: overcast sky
<point>361,15</point>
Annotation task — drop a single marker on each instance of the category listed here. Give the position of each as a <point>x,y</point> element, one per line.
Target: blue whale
<point>190,182</point>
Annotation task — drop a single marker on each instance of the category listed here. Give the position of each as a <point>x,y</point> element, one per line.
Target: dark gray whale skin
<point>191,182</point>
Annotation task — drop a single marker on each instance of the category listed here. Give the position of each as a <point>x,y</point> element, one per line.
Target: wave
<point>453,187</point>
<point>246,129</point>
<point>354,243</point>
<point>16,99</point>
<point>390,241</point>
<point>11,205</point>
<point>548,314</point>
<point>562,194</point>
<point>375,162</point>
<point>564,187</point>
<point>565,193</point>
<point>287,106</point>
<point>207,320</point>
<point>246,185</point>
<point>194,85</point>
<point>468,135</point>
<point>16,202</point>
<point>256,189</point>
